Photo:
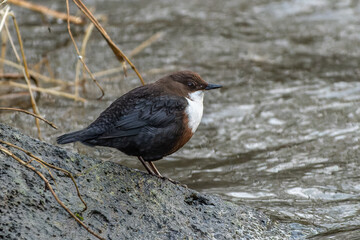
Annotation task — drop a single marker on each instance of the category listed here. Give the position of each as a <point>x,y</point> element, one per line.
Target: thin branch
<point>11,76</point>
<point>48,185</point>
<point>35,74</point>
<point>27,75</point>
<point>78,52</point>
<point>118,53</point>
<point>145,44</point>
<point>88,32</point>
<point>50,173</point>
<point>46,90</point>
<point>50,166</point>
<point>4,40</point>
<point>133,53</point>
<point>3,20</point>
<point>30,113</point>
<point>46,11</point>
<point>3,2</point>
<point>12,43</point>
<point>44,61</point>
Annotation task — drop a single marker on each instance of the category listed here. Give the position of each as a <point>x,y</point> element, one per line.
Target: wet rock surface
<point>282,135</point>
<point>122,203</point>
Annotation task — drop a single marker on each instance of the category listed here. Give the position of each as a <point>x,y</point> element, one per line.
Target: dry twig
<point>3,37</point>
<point>5,12</point>
<point>48,185</point>
<point>11,76</point>
<point>45,90</point>
<point>47,11</point>
<point>44,61</point>
<point>88,32</point>
<point>79,55</point>
<point>26,74</point>
<point>30,113</point>
<point>146,43</point>
<point>3,49</point>
<point>50,166</point>
<point>118,53</point>
<point>35,74</point>
<point>134,52</point>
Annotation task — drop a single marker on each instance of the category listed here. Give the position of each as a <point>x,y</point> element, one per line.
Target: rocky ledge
<point>122,203</point>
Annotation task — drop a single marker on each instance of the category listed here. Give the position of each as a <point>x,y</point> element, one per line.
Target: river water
<point>282,135</point>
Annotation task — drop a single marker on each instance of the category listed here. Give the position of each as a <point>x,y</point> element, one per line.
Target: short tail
<point>71,137</point>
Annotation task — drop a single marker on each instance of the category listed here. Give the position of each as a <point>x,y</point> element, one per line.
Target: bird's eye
<point>191,84</point>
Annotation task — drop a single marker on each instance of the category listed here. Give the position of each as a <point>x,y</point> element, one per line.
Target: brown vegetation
<point>60,87</point>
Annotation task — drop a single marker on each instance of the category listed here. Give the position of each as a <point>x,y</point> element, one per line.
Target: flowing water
<point>282,134</point>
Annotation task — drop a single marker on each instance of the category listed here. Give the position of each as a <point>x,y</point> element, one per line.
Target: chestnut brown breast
<point>185,136</point>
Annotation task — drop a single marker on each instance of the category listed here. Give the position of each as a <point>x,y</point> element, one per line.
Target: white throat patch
<point>195,109</point>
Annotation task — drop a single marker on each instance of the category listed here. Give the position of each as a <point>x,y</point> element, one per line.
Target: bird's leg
<point>153,171</point>
<point>146,166</point>
<point>154,168</point>
<point>152,165</point>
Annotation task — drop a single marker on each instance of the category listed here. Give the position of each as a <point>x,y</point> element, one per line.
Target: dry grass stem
<point>4,40</point>
<point>37,66</point>
<point>118,53</point>
<point>27,75</point>
<point>79,55</point>
<point>11,76</point>
<point>50,71</point>
<point>30,113</point>
<point>4,15</point>
<point>161,70</point>
<point>78,52</point>
<point>108,72</point>
<point>46,90</point>
<point>3,2</point>
<point>46,11</point>
<point>48,185</point>
<point>133,53</point>
<point>44,61</point>
<point>35,74</point>
<point>50,166</point>
<point>146,43</point>
<point>88,32</point>
<point>12,43</point>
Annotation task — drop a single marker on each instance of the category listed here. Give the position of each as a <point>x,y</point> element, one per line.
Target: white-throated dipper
<point>151,121</point>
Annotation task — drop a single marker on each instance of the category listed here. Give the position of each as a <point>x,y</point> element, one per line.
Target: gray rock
<point>122,203</point>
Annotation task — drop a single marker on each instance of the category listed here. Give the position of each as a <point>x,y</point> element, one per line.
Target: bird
<point>151,121</point>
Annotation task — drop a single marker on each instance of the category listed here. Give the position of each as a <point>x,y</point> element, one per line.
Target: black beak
<point>212,86</point>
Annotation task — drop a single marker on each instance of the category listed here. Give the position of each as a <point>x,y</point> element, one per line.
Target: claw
<point>173,181</point>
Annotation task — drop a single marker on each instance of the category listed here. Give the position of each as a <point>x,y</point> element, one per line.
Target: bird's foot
<point>173,181</point>
<point>169,179</point>
<point>152,170</point>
